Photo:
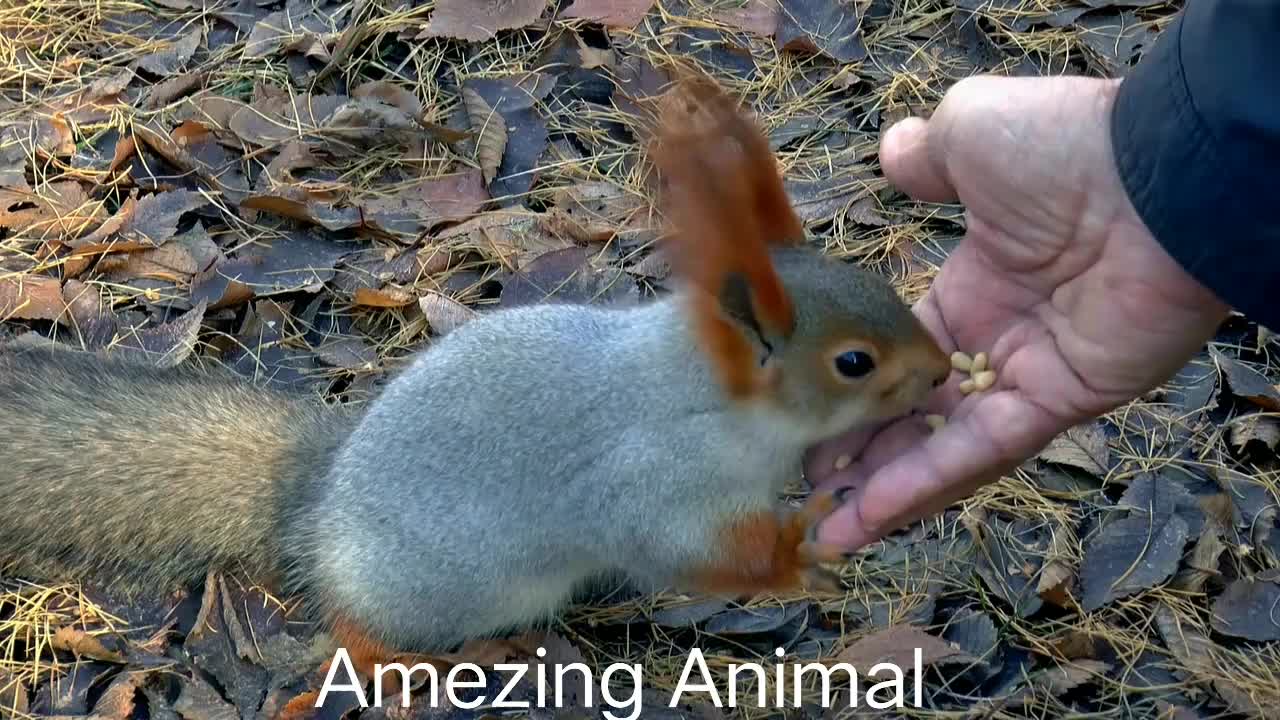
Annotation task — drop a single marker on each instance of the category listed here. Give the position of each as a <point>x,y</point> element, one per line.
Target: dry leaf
<point>1058,680</point>
<point>491,133</point>
<point>1083,446</point>
<point>60,210</point>
<point>611,13</point>
<point>830,27</point>
<point>477,20</point>
<point>1247,383</point>
<point>1204,561</point>
<point>1194,653</point>
<point>175,56</point>
<point>1131,555</point>
<point>30,297</point>
<point>166,345</point>
<point>1059,572</point>
<point>1256,427</point>
<point>443,313</point>
<point>386,297</point>
<point>81,644</point>
<point>758,17</point>
<point>897,645</point>
<point>13,694</point>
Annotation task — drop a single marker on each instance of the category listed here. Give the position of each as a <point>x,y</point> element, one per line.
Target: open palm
<point>1057,278</point>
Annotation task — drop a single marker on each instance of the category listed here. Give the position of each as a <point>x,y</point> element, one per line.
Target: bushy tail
<point>148,478</point>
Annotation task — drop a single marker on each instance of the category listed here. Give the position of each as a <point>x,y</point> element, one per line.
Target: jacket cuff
<point>1194,182</point>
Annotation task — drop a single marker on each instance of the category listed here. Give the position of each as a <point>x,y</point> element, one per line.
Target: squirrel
<point>514,460</point>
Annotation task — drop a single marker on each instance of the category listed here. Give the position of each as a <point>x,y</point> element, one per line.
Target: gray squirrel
<point>521,456</point>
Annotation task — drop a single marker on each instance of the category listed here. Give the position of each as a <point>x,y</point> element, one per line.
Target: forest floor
<point>307,191</point>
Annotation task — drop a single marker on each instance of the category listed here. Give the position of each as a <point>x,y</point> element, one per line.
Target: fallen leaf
<point>1059,571</point>
<point>568,275</point>
<point>1195,655</point>
<point>756,620</point>
<point>515,98</point>
<point>30,297</point>
<point>60,210</point>
<point>1011,561</point>
<point>1082,446</point>
<point>610,13</point>
<point>758,17</point>
<point>688,614</point>
<point>1249,609</point>
<point>1069,676</point>
<point>292,261</point>
<point>1247,383</point>
<point>896,645</point>
<point>1130,555</point>
<point>1204,561</point>
<point>386,297</point>
<point>13,695</point>
<point>443,313</point>
<point>148,222</point>
<point>478,20</point>
<point>975,634</point>
<point>117,701</point>
<point>174,57</point>
<point>167,345</point>
<point>829,27</point>
<point>347,353</point>
<point>81,644</point>
<point>490,132</point>
<point>166,91</point>
<point>1256,427</point>
<point>590,211</point>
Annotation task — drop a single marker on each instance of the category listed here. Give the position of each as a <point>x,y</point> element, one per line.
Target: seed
<point>961,361</point>
<point>967,386</point>
<point>979,363</point>
<point>935,421</point>
<point>984,380</point>
<point>843,462</point>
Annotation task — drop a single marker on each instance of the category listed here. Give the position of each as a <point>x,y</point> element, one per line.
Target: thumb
<point>912,164</point>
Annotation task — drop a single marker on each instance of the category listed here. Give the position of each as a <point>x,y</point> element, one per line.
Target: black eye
<point>854,364</point>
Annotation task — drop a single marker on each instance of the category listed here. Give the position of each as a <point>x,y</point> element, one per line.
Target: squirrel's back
<point>148,477</point>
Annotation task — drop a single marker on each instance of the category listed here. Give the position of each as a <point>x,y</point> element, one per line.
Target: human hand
<point>1057,278</point>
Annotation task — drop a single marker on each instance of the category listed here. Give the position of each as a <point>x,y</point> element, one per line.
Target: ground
<point>307,193</point>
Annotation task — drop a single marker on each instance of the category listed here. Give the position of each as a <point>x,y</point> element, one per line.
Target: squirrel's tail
<point>147,478</point>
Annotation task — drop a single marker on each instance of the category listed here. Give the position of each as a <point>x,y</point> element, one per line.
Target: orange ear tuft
<point>726,205</point>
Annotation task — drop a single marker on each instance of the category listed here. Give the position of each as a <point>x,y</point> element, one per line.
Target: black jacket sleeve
<point>1196,136</point>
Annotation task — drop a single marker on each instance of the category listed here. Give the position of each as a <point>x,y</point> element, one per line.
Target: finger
<point>887,444</point>
<point>834,455</point>
<point>912,164</point>
<point>1001,431</point>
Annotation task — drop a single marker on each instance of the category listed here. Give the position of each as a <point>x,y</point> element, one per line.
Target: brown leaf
<point>60,210</point>
<point>347,353</point>
<point>477,20</point>
<point>590,211</point>
<point>1058,680</point>
<point>897,645</point>
<point>30,297</point>
<point>443,313</point>
<point>611,13</point>
<point>117,701</point>
<point>758,17</point>
<point>155,220</point>
<point>13,695</point>
<point>1247,383</point>
<point>1059,571</point>
<point>1204,561</point>
<point>1083,446</point>
<point>292,261</point>
<point>1255,427</point>
<point>81,644</point>
<point>491,133</point>
<point>1249,609</point>
<point>389,93</point>
<point>387,297</point>
<point>166,345</point>
<point>829,27</point>
<point>170,89</point>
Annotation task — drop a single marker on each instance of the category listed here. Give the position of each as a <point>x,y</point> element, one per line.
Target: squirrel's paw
<point>776,552</point>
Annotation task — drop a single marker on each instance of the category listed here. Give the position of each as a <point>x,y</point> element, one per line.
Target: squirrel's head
<point>827,344</point>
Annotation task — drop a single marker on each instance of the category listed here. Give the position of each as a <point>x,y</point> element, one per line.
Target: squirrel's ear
<point>725,203</point>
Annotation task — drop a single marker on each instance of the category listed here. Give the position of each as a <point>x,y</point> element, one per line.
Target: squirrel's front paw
<point>776,552</point>
<point>811,555</point>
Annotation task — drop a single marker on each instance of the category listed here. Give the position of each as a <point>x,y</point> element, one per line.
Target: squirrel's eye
<point>854,363</point>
